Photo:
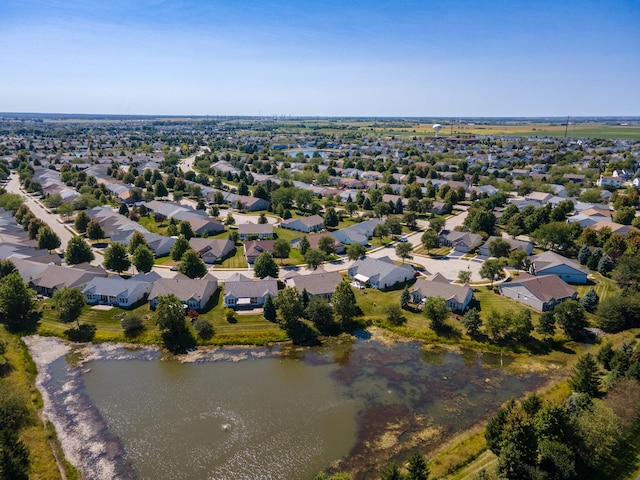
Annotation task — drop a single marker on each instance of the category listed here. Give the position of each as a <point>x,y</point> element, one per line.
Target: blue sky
<point>447,58</point>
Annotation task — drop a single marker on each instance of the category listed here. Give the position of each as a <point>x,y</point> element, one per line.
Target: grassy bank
<point>39,438</point>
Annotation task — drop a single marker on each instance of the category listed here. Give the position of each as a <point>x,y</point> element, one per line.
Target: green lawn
<point>237,260</point>
<point>603,286</point>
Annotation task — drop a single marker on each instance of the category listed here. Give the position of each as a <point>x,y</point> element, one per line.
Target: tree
<point>394,315</point>
<point>590,300</point>
<point>355,251</point>
<point>403,250</point>
<point>262,219</point>
<point>585,376</point>
<point>136,240</point>
<point>381,231</point>
<point>203,328</point>
<point>418,469</point>
<point>95,231</point>
<point>605,265</point>
<point>269,309</point>
<point>185,230</point>
<point>304,245</point>
<point>584,254</point>
<point>491,269</point>
<point>143,259</point>
<point>430,239</point>
<point>115,258</point>
<point>522,327</point>
<point>82,221</point>
<point>394,226</point>
<point>16,299</point>
<point>265,266</point>
<point>180,246</point>
<point>405,298</point>
<point>230,220</point>
<point>555,235</point>
<point>391,472</point>
<point>131,324</point>
<point>570,317</point>
<point>464,276</point>
<point>78,251</point>
<point>344,302</point>
<point>48,239</point>
<point>192,265</point>
<point>69,303</point>
<point>290,308</point>
<point>14,455</point>
<point>7,267</point>
<point>624,215</point>
<point>480,219</point>
<point>320,312</point>
<point>547,324</point>
<point>331,218</point>
<point>170,318</point>
<point>34,228</point>
<point>409,219</point>
<point>499,248</point>
<point>327,244</point>
<point>314,258</point>
<point>518,259</point>
<point>437,311</point>
<point>281,249</point>
<point>472,322</point>
<point>437,224</point>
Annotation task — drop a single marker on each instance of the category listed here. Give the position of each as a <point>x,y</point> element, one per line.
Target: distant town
<point>514,234</point>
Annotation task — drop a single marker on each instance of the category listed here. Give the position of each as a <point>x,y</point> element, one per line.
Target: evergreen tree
<point>585,376</point>
<point>471,321</point>
<point>405,298</point>
<point>418,469</point>
<point>584,254</point>
<point>269,308</point>
<point>590,300</point>
<point>391,471</point>
<point>303,246</point>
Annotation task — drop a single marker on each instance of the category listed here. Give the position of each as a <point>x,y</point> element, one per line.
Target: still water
<point>257,413</point>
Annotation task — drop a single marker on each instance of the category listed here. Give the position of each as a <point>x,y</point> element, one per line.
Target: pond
<point>260,413</point>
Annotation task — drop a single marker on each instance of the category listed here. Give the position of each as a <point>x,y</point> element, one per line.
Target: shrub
<point>203,328</point>
<point>131,324</point>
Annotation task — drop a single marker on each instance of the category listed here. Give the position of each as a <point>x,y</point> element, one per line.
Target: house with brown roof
<point>211,250</point>
<point>315,239</point>
<point>254,248</point>
<point>460,241</point>
<point>457,297</point>
<point>541,293</point>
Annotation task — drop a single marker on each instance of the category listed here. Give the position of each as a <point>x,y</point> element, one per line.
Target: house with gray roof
<point>317,284</point>
<point>262,231</point>
<point>358,233</point>
<point>541,292</point>
<point>460,241</point>
<point>244,292</point>
<point>45,279</point>
<point>193,292</point>
<point>513,245</point>
<point>116,291</point>
<point>380,273</point>
<point>309,224</point>
<point>550,263</point>
<point>457,297</point>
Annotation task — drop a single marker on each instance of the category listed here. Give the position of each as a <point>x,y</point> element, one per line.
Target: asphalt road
<point>40,211</point>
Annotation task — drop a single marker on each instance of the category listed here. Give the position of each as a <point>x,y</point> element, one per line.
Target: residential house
<point>205,225</point>
<point>550,263</point>
<point>460,241</point>
<point>609,181</point>
<point>319,283</point>
<point>314,240</point>
<point>358,233</point>
<point>211,249</point>
<point>313,223</point>
<point>615,227</point>
<point>458,297</point>
<point>262,231</point>
<point>46,279</point>
<point>244,292</point>
<point>513,245</point>
<point>380,273</point>
<point>254,248</point>
<point>193,292</point>
<point>541,293</point>
<point>116,291</point>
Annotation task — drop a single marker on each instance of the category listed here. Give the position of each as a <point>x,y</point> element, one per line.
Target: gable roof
<point>185,288</point>
<point>551,259</point>
<point>545,287</point>
<point>239,286</point>
<point>438,286</point>
<point>317,283</point>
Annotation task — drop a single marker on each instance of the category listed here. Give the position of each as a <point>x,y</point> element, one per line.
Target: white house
<point>195,293</point>
<point>380,273</point>
<point>241,291</point>
<point>116,291</point>
<point>309,224</point>
<point>550,263</point>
